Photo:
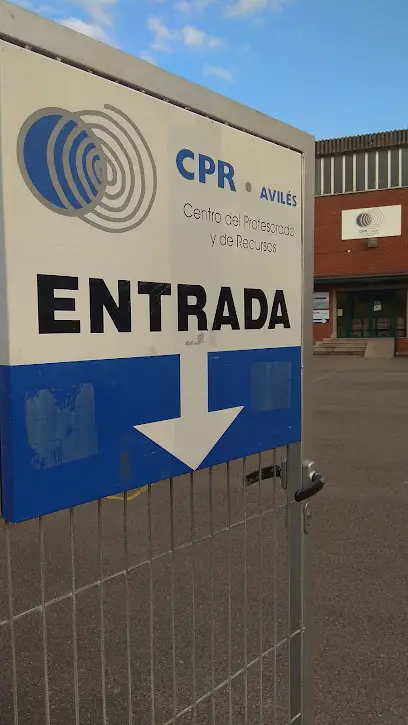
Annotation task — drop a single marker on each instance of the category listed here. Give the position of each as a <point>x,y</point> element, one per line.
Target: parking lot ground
<point>74,653</point>
<point>361,540</point>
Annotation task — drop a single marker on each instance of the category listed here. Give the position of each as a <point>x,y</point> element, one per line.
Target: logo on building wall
<point>370,220</point>
<point>92,165</point>
<point>379,221</point>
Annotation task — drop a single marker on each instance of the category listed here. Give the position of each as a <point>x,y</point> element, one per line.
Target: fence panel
<point>176,603</point>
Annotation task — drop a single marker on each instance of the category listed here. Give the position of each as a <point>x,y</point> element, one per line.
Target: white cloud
<point>216,70</point>
<point>162,35</point>
<point>195,38</point>
<point>99,10</point>
<point>145,55</point>
<point>26,4</point>
<point>38,9</point>
<point>252,7</point>
<point>99,13</point>
<point>46,10</point>
<point>188,6</point>
<point>184,6</point>
<point>164,38</point>
<point>90,29</point>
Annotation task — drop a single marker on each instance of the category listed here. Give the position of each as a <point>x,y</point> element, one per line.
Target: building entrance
<point>371,313</point>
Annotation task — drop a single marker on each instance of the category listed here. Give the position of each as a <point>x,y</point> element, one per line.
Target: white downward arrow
<point>191,437</point>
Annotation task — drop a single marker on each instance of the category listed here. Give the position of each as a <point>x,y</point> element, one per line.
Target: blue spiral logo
<point>92,165</point>
<point>370,219</point>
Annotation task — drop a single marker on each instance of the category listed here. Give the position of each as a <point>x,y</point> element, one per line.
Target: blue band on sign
<point>68,443</point>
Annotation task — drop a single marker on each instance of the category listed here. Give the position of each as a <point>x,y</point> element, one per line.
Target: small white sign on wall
<point>320,300</point>
<point>320,315</point>
<point>321,307</point>
<point>378,221</point>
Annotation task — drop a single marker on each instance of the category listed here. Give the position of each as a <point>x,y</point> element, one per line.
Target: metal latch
<point>312,480</point>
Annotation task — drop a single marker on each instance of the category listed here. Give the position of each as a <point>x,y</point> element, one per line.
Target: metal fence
<point>178,603</point>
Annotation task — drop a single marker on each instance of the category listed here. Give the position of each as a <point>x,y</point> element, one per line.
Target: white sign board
<point>379,221</point>
<point>321,300</point>
<point>321,315</point>
<point>321,311</point>
<point>153,288</point>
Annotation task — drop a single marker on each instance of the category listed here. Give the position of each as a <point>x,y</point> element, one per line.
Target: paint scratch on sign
<point>61,425</point>
<point>197,340</point>
<point>130,496</point>
<point>271,386</point>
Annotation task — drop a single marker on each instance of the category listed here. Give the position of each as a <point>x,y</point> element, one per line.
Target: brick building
<point>361,237</point>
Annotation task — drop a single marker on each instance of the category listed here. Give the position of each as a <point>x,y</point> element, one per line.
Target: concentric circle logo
<point>370,219</point>
<point>92,165</point>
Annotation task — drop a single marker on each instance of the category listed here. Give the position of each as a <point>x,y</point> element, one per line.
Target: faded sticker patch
<point>271,386</point>
<point>61,425</point>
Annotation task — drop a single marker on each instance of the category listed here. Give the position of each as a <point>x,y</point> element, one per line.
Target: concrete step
<point>342,343</point>
<point>339,351</point>
<point>345,340</point>
<point>341,346</point>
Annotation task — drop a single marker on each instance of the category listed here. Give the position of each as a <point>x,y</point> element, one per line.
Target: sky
<point>330,67</point>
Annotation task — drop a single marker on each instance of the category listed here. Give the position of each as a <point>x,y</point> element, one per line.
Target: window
<point>404,164</point>
<point>360,172</point>
<point>395,154</point>
<point>349,174</point>
<point>372,170</point>
<point>383,169</point>
<point>327,176</point>
<point>338,174</point>
<point>318,176</point>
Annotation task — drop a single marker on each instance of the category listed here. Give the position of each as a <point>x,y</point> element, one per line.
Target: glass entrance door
<point>371,313</point>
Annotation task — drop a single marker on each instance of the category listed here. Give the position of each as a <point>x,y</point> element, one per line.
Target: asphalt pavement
<point>87,660</point>
<point>361,541</point>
